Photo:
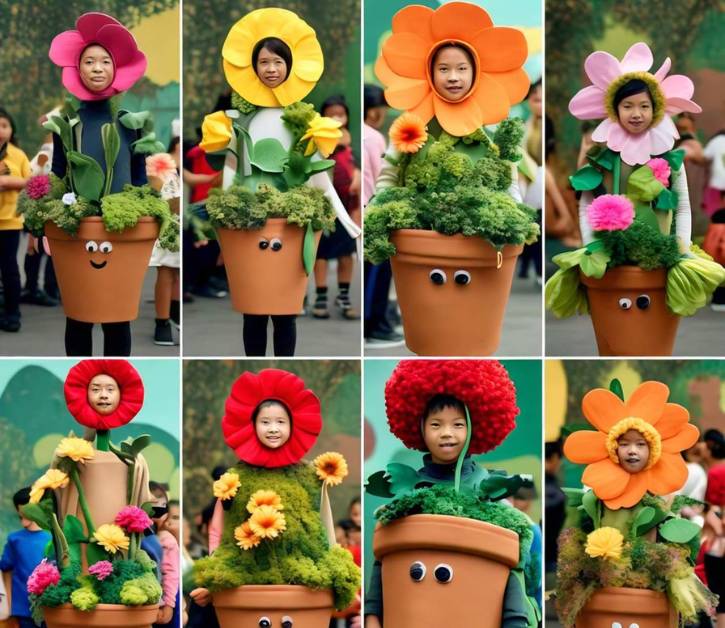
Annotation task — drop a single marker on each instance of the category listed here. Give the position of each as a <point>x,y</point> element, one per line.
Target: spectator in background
<point>695,169</point>
<point>554,501</point>
<point>714,153</point>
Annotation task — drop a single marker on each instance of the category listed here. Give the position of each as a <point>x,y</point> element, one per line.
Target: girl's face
<point>452,73</point>
<point>174,521</point>
<point>355,514</point>
<point>6,131</point>
<point>444,433</point>
<point>635,113</point>
<point>336,112</point>
<point>632,451</point>
<point>104,395</point>
<point>376,117</point>
<point>96,68</point>
<point>535,102</point>
<point>271,68</point>
<point>273,426</point>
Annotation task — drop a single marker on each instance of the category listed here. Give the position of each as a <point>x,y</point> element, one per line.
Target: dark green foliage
<point>508,137</point>
<point>641,245</point>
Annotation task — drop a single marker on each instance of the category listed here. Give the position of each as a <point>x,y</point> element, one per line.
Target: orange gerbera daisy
<point>408,133</point>
<point>331,467</point>
<point>264,498</point>
<point>246,539</point>
<point>404,67</point>
<point>665,427</point>
<point>267,522</point>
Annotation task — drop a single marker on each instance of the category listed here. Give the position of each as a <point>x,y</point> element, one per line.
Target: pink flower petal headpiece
<point>670,94</point>
<point>129,62</point>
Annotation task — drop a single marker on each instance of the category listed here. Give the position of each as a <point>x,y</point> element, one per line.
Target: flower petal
<point>674,418</point>
<point>406,54</point>
<point>119,42</point>
<point>584,447</point>
<point>648,401</point>
<point>382,70</point>
<point>406,93</point>
<point>637,59</point>
<point>424,110</point>
<point>66,48</point>
<point>601,133</point>
<point>636,488</point>
<point>663,136</point>
<point>602,68</point>
<point>678,105</point>
<point>127,75</point>
<point>684,439</point>
<point>678,86</point>
<point>602,408</point>
<point>90,23</point>
<point>664,69</point>
<point>608,480</point>
<point>458,20</point>
<point>414,19</point>
<point>500,49</point>
<point>239,44</point>
<point>588,104</point>
<point>456,120</point>
<point>245,81</point>
<point>309,63</point>
<point>637,149</point>
<point>516,83</point>
<point>668,475</point>
<point>617,137</point>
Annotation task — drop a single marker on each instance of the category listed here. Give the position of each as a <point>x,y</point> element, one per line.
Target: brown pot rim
<point>108,608</point>
<point>624,599</point>
<point>447,533</point>
<point>145,229</point>
<point>277,596</point>
<point>270,221</point>
<point>627,278</point>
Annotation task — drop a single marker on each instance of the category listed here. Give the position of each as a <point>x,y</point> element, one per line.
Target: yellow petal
<point>216,132</point>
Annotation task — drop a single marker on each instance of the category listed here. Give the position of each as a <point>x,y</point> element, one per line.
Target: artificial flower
<point>44,575</point>
<point>671,94</point>
<point>331,468</point>
<point>499,54</point>
<point>267,522</point>
<point>216,131</point>
<point>77,449</point>
<point>68,198</point>
<point>160,165</point>
<point>246,538</point>
<point>307,61</point>
<point>610,212</point>
<point>101,570</point>
<point>661,170</point>
<point>226,486</point>
<point>408,133</point>
<point>38,186</point>
<point>133,519</point>
<point>323,134</point>
<point>111,537</point>
<point>665,426</point>
<point>605,543</point>
<point>264,498</point>
<point>52,478</point>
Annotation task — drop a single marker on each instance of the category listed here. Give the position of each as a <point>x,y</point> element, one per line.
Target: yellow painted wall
<point>158,37</point>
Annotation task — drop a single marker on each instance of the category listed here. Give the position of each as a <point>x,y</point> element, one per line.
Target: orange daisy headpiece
<point>665,427</point>
<point>404,67</point>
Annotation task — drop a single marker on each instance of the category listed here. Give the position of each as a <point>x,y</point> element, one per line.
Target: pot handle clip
<point>499,259</point>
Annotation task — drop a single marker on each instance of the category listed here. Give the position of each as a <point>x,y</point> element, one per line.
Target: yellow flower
<point>605,543</point>
<point>52,478</point>
<point>307,61</point>
<point>331,467</point>
<point>226,486</point>
<point>267,522</point>
<point>323,134</point>
<point>111,537</point>
<point>75,448</point>
<point>408,133</point>
<point>264,498</point>
<point>216,131</point>
<point>246,539</point>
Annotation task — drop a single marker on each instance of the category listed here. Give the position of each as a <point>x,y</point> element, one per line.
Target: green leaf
<point>36,514</point>
<point>61,544</point>
<point>111,147</point>
<point>269,155</point>
<point>675,158</point>
<point>88,176</point>
<point>95,553</point>
<point>574,496</point>
<point>64,131</point>
<point>295,173</point>
<point>320,165</point>
<point>642,521</point>
<point>140,443</point>
<point>379,484</point>
<point>645,214</point>
<point>586,178</point>
<point>497,486</point>
<point>667,199</point>
<point>148,508</point>
<point>591,506</point>
<point>616,387</point>
<point>594,264</point>
<point>216,159</point>
<point>679,530</point>
<point>603,157</point>
<point>148,144</point>
<point>134,121</point>
<point>73,530</point>
<point>642,186</point>
<point>402,477</point>
<point>309,249</point>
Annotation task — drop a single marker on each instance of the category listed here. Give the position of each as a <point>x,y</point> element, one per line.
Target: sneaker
<point>717,307</point>
<point>38,297</point>
<point>319,309</point>
<point>209,292</point>
<point>162,333</point>
<point>10,324</point>
<point>348,311</point>
<point>383,339</point>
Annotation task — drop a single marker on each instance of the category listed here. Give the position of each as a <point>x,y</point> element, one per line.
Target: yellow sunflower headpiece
<point>307,62</point>
<point>665,427</point>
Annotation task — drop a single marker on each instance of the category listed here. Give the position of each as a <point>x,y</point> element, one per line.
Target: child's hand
<point>201,596</point>
<point>165,614</point>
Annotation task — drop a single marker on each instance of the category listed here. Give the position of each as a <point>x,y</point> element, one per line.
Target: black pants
<point>377,290</point>
<point>32,273</point>
<point>255,334</point>
<point>199,263</point>
<point>79,338</point>
<point>9,271</point>
<point>715,571</point>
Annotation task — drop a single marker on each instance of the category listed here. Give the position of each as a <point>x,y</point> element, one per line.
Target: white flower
<point>69,198</point>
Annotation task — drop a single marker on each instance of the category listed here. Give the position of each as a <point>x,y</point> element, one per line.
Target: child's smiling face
<point>273,426</point>
<point>444,433</point>
<point>635,113</point>
<point>452,73</point>
<point>104,395</point>
<point>632,451</point>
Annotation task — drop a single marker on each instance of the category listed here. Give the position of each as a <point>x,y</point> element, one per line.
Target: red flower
<point>248,391</point>
<point>483,385</point>
<point>76,393</point>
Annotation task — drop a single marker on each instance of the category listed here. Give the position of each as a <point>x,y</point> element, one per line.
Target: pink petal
<point>72,82</point>
<point>664,69</point>
<point>601,133</point>
<point>663,136</point>
<point>678,105</point>
<point>678,86</point>
<point>128,74</point>
<point>602,68</point>
<point>617,137</point>
<point>637,59</point>
<point>588,104</point>
<point>119,42</point>
<point>637,149</point>
<point>66,48</point>
<point>89,24</point>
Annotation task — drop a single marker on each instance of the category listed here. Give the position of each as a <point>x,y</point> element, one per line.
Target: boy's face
<point>273,426</point>
<point>632,451</point>
<point>104,395</point>
<point>444,433</point>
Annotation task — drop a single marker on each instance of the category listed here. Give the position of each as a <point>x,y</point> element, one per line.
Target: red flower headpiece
<point>76,393</point>
<point>483,385</point>
<point>248,391</point>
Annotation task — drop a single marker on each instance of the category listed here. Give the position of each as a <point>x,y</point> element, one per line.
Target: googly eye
<point>417,571</point>
<point>443,573</point>
<point>91,246</point>
<point>643,301</point>
<point>265,622</point>
<point>287,622</point>
<point>437,276</point>
<point>106,247</point>
<point>276,244</point>
<point>625,303</point>
<point>263,244</point>
<point>462,277</point>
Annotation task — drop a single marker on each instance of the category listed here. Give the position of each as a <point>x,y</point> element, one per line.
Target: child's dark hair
<point>268,403</point>
<point>275,46</point>
<point>453,44</point>
<point>336,99</point>
<point>4,114</point>
<point>157,487</point>
<point>553,448</point>
<point>440,402</point>
<point>632,88</point>
<point>174,502</point>
<point>533,88</point>
<point>21,498</point>
<point>373,96</point>
<point>173,144</point>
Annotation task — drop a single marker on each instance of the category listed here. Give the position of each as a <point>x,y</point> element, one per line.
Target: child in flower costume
<point>272,522</point>
<point>273,149</point>
<point>451,409</point>
<point>630,533</point>
<point>634,206</point>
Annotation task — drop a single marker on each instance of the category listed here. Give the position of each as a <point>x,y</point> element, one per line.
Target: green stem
<point>82,500</point>
<point>464,451</point>
<point>620,519</point>
<point>617,171</point>
<point>103,440</point>
<point>133,546</point>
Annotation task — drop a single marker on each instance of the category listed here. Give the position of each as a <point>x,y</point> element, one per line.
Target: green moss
<point>297,117</point>
<point>641,245</point>
<point>243,106</point>
<point>84,599</point>
<point>140,591</point>
<point>508,137</point>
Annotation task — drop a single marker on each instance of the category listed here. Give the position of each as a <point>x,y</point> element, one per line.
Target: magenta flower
<point>38,186</point>
<point>610,212</point>
<point>661,170</point>
<point>42,577</point>
<point>591,103</point>
<point>132,519</point>
<point>101,570</point>
<point>129,63</point>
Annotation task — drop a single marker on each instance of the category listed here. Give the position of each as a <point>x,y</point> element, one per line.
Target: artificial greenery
<point>641,245</point>
<point>299,555</point>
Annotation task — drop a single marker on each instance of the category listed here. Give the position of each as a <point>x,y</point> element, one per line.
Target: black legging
<point>9,271</point>
<point>255,334</point>
<point>715,572</point>
<point>79,338</point>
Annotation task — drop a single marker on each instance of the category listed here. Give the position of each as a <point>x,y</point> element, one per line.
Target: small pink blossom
<point>42,577</point>
<point>132,519</point>
<point>101,570</point>
<point>661,170</point>
<point>610,212</point>
<point>161,165</point>
<point>38,186</point>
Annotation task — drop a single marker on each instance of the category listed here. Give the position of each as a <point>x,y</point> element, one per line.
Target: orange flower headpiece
<point>404,67</point>
<point>665,427</point>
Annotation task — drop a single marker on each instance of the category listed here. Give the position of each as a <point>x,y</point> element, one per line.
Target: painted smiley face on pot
<point>104,248</point>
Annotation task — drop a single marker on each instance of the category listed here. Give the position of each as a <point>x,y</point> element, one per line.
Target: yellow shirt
<point>19,166</point>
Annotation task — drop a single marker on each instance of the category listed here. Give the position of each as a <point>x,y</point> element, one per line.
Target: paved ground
<point>213,328</point>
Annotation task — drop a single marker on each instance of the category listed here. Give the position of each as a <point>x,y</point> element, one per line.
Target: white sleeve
<point>513,190</point>
<point>322,181</point>
<point>683,216</point>
<point>389,172</point>
<point>584,227</point>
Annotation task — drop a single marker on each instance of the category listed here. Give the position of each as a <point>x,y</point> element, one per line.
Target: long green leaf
<point>309,249</point>
<point>111,147</point>
<point>87,174</point>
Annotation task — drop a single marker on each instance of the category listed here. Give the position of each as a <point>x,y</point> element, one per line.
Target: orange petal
<point>424,109</point>
<point>636,488</point>
<point>406,93</point>
<point>406,54</point>
<point>648,401</point>
<point>414,19</point>
<point>492,100</point>
<point>382,70</point>
<point>668,475</point>
<point>458,20</point>
<point>674,418</point>
<point>603,409</point>
<point>500,49</point>
<point>516,84</point>
<point>459,118</point>
<point>608,480</point>
<point>685,439</point>
<point>584,447</point>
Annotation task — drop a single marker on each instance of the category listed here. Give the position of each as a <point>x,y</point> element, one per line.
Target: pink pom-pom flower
<point>42,577</point>
<point>101,570</point>
<point>161,165</point>
<point>132,519</point>
<point>610,212</point>
<point>38,186</point>
<point>661,170</point>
